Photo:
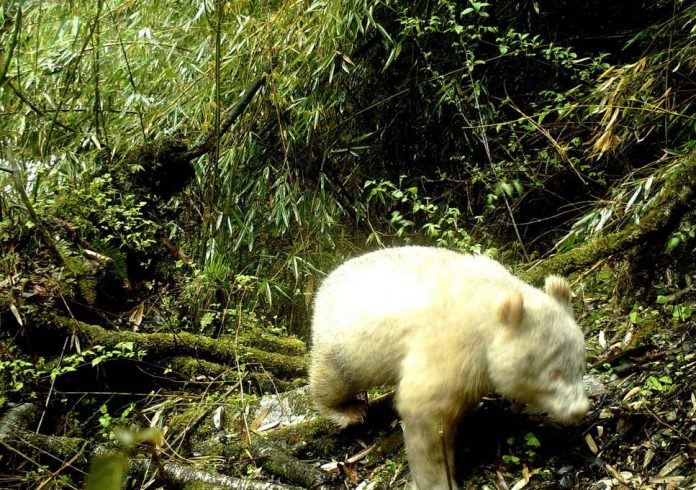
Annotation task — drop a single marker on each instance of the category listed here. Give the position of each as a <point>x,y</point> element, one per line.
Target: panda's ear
<point>559,289</point>
<point>511,310</point>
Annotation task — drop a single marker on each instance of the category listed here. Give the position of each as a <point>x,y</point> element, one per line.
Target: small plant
<point>680,312</point>
<point>530,445</point>
<point>107,421</point>
<point>659,385</point>
<point>116,219</point>
<point>685,233</point>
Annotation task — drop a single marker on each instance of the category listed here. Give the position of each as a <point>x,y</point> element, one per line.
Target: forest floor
<point>237,406</point>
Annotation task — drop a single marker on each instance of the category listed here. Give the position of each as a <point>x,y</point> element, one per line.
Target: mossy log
<point>278,461</point>
<point>165,345</point>
<point>17,418</point>
<point>321,439</point>
<point>675,199</point>
<point>283,451</point>
<point>256,337</point>
<point>16,438</point>
<point>59,448</point>
<point>261,381</point>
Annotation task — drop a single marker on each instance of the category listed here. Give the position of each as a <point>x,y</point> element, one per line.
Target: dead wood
<point>322,439</point>
<point>164,167</point>
<point>14,438</point>
<point>58,448</point>
<point>193,478</point>
<point>17,439</point>
<point>17,417</point>
<point>281,463</point>
<point>206,144</point>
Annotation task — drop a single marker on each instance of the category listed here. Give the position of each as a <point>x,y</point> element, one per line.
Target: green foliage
<point>494,115</point>
<point>680,237</point>
<point>416,217</point>
<point>663,383</point>
<point>529,444</point>
<point>635,102</point>
<point>448,122</point>
<point>629,200</point>
<point>111,219</point>
<point>679,312</point>
<point>109,422</point>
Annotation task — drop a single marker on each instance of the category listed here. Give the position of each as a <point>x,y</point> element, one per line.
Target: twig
<point>24,456</point>
<point>70,78</point>
<point>183,474</point>
<point>441,432</point>
<point>514,227</point>
<point>131,80</point>
<point>66,464</point>
<point>39,112</point>
<point>240,376</point>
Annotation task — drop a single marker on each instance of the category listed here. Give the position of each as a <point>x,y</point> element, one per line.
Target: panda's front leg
<point>430,405</point>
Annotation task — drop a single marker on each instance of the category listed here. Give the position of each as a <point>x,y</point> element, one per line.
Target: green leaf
<point>654,383</point>
<point>98,360</point>
<point>509,458</point>
<point>531,440</point>
<point>125,346</point>
<point>634,317</point>
<point>672,243</point>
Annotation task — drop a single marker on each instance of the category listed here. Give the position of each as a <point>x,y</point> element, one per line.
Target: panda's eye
<point>554,374</point>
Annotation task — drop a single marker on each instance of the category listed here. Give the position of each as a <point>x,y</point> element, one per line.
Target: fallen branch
<point>17,439</point>
<point>14,436</point>
<point>181,474</point>
<point>17,417</point>
<point>282,464</point>
<point>58,448</point>
<point>207,143</point>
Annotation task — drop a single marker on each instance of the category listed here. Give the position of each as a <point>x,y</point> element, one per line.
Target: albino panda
<point>445,328</point>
